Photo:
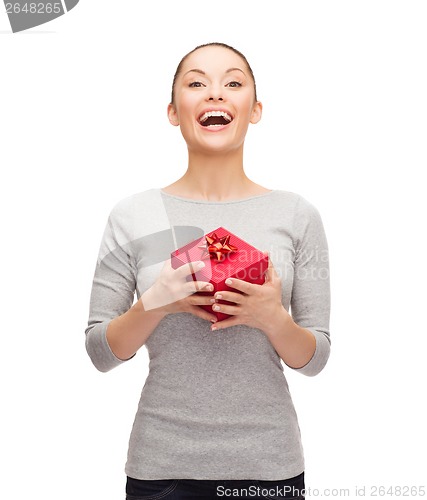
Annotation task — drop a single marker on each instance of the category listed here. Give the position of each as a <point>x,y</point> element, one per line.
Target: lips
<point>213,118</point>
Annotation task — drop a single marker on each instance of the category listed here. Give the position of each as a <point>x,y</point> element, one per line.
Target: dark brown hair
<point>214,44</point>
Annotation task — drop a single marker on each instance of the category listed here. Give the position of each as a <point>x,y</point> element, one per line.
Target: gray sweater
<point>215,405</point>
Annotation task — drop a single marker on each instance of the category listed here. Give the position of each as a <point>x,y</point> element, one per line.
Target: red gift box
<point>225,256</point>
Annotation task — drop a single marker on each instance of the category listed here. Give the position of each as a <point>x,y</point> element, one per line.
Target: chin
<point>214,145</point>
<point>210,149</point>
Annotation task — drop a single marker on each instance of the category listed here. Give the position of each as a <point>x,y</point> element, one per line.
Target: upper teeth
<point>215,113</point>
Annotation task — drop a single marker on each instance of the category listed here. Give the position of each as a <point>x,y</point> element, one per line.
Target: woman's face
<point>214,100</point>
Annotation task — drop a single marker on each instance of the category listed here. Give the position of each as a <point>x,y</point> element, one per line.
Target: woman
<point>215,414</point>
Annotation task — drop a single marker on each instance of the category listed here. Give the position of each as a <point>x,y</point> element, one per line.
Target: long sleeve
<point>113,287</point>
<point>310,301</point>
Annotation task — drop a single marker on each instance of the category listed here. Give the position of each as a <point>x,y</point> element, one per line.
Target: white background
<point>83,124</point>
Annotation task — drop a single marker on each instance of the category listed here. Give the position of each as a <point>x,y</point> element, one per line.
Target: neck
<point>215,177</point>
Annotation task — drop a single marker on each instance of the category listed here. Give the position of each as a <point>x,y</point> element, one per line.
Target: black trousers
<point>197,489</point>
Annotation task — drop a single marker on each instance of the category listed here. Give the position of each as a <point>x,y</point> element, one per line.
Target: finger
<point>230,309</point>
<point>241,285</point>
<point>202,313</point>
<point>235,297</point>
<point>270,273</point>
<point>191,287</point>
<point>198,286</point>
<point>189,268</point>
<point>201,300</point>
<point>225,323</point>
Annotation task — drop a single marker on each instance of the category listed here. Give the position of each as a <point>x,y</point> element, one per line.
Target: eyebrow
<point>229,70</point>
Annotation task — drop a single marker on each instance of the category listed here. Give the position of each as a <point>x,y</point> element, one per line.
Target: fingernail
<point>212,301</point>
<point>209,287</point>
<point>228,281</point>
<point>218,296</point>
<point>213,320</point>
<point>213,328</point>
<point>216,307</point>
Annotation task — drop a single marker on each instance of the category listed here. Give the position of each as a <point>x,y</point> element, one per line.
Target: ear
<point>256,112</point>
<point>172,115</point>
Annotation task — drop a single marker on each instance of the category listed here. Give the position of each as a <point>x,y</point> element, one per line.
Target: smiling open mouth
<point>215,119</point>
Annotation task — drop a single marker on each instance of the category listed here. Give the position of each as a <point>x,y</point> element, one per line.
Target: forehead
<point>213,59</point>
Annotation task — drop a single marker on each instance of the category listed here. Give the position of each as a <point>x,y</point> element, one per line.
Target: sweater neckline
<point>226,202</point>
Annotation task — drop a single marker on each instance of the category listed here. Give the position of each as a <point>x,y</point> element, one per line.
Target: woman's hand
<point>172,293</point>
<point>256,306</point>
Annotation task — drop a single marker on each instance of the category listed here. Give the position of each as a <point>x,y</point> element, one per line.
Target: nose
<point>216,99</point>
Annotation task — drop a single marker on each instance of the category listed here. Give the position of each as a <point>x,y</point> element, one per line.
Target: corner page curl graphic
<point>24,14</point>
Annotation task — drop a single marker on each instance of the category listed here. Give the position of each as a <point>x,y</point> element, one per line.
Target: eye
<point>195,84</point>
<point>234,84</point>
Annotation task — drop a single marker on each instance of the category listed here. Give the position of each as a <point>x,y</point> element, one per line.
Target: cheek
<point>246,115</point>
<point>186,107</point>
<point>246,105</point>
